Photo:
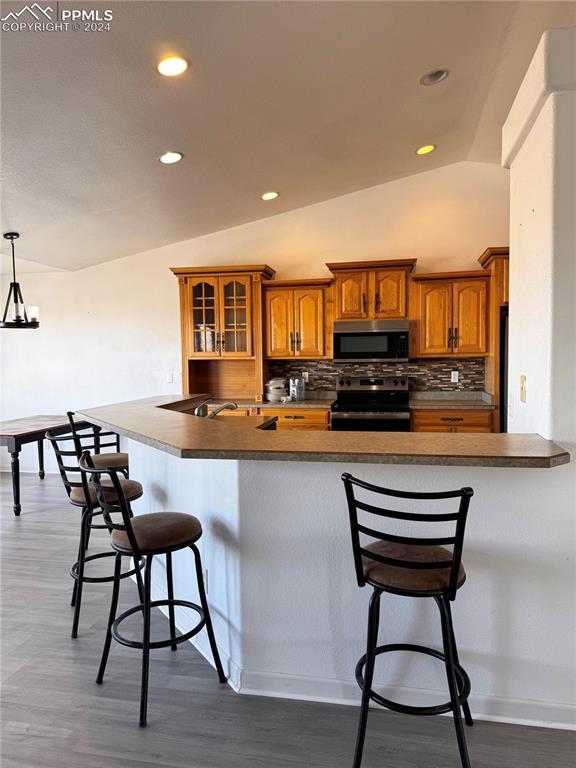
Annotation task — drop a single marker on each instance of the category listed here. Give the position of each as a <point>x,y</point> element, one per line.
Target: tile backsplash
<point>423,374</point>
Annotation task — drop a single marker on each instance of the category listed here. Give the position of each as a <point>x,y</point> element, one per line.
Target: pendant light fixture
<point>19,317</point>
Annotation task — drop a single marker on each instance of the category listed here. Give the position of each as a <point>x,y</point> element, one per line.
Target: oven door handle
<point>368,415</point>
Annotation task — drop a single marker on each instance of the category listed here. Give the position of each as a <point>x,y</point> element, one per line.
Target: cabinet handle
<point>377,303</point>
<point>451,418</point>
<point>364,307</point>
<point>293,417</point>
<point>222,341</point>
<point>292,342</point>
<point>455,337</point>
<point>217,335</point>
<point>450,337</point>
<point>298,342</point>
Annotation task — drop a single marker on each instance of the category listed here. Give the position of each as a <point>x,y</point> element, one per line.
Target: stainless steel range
<point>371,404</point>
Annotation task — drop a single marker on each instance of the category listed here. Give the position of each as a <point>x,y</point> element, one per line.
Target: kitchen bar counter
<point>288,615</point>
<point>163,423</point>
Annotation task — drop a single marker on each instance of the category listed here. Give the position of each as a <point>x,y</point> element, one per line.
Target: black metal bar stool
<point>68,449</point>
<point>156,533</point>
<point>99,440</point>
<point>413,567</point>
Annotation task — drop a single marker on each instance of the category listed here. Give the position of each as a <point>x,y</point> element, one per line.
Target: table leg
<point>16,481</point>
<point>41,459</point>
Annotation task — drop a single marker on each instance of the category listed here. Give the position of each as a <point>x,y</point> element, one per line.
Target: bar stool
<point>145,536</point>
<point>412,567</point>
<point>107,459</point>
<point>82,494</point>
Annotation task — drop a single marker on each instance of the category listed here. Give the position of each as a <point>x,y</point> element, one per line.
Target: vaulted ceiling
<point>312,99</point>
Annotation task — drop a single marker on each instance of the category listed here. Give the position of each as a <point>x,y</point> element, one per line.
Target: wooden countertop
<point>181,434</point>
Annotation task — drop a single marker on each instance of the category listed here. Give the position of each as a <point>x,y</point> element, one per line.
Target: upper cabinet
<point>351,295</point>
<point>216,308</point>
<point>449,315</point>
<point>371,290</point>
<point>296,319</point>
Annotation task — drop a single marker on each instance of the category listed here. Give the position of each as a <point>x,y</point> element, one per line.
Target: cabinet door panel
<point>390,293</point>
<point>309,322</point>
<point>204,317</point>
<point>435,318</point>
<point>469,317</point>
<point>352,296</point>
<point>279,323</point>
<point>235,316</point>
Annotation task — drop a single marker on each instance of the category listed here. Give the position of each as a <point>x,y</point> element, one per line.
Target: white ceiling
<point>312,99</point>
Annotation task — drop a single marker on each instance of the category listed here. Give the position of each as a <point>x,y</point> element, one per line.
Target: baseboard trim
<point>490,708</point>
<point>497,709</point>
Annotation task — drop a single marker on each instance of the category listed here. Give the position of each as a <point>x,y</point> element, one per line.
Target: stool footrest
<point>103,579</point>
<point>158,643</point>
<point>462,679</point>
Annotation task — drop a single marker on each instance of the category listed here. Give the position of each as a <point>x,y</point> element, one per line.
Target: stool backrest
<point>458,517</point>
<point>97,434</point>
<point>68,449</point>
<point>110,503</point>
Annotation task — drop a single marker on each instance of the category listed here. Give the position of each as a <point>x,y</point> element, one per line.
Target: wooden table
<point>17,432</point>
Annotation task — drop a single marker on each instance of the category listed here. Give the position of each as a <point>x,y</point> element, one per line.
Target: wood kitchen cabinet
<point>295,319</point>
<point>371,290</point>
<point>449,315</point>
<point>221,325</point>
<point>451,420</point>
<point>220,316</point>
<point>311,419</point>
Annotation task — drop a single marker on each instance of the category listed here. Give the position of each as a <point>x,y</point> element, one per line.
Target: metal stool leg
<point>465,706</point>
<point>371,643</point>
<point>145,641</point>
<point>447,632</point>
<point>111,617</point>
<point>75,589</point>
<point>86,517</point>
<point>139,582</point>
<point>170,584</point>
<point>204,603</point>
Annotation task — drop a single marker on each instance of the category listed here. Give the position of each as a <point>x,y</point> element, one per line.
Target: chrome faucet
<point>202,409</point>
<point>223,407</point>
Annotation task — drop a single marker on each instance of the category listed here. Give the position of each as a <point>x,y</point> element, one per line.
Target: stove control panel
<point>372,383</point>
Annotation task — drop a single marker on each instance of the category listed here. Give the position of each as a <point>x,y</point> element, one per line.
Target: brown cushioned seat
<point>106,460</point>
<point>405,579</point>
<point>159,532</point>
<point>132,490</point>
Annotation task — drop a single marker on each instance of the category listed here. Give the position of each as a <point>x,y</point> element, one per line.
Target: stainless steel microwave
<point>372,341</point>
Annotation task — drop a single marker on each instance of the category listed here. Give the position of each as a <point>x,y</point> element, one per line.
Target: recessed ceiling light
<point>434,77</point>
<point>426,149</point>
<point>269,195</point>
<point>171,157</point>
<point>171,66</point>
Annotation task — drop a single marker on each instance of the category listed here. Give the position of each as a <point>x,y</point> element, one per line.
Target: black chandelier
<point>20,318</point>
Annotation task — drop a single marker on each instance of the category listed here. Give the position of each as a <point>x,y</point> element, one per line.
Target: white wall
<point>540,149</point>
<point>111,332</point>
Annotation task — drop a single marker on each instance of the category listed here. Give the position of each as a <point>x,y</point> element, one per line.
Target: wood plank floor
<point>55,716</point>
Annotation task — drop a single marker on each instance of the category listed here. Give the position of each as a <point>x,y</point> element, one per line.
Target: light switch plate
<point>522,388</point>
<point>454,377</point>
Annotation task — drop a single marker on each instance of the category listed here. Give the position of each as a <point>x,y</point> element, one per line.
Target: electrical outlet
<point>170,377</point>
<point>522,388</point>
<point>305,376</point>
<point>454,377</point>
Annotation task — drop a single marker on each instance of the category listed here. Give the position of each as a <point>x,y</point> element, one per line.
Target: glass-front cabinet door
<point>204,318</point>
<point>235,316</point>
